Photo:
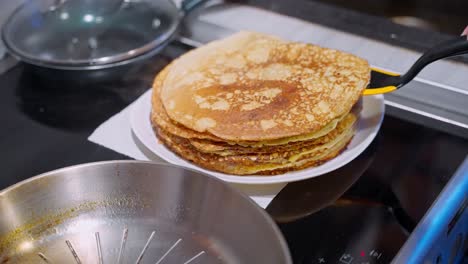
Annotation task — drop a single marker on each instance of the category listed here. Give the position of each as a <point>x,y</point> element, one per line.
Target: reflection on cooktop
<point>304,198</point>
<point>366,210</point>
<point>346,232</point>
<point>54,102</point>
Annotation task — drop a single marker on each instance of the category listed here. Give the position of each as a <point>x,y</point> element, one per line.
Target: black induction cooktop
<point>367,209</point>
<point>361,213</point>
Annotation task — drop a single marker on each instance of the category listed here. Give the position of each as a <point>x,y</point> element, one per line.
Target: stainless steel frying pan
<point>134,212</point>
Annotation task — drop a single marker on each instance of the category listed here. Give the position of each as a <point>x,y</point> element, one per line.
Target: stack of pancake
<point>256,104</point>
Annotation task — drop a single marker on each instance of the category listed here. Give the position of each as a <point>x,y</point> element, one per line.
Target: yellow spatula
<point>384,82</point>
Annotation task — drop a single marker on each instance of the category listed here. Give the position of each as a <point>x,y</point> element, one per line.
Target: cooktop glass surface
<point>366,210</point>
<point>361,213</point>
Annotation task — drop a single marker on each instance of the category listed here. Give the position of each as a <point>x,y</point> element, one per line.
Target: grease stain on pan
<point>46,224</point>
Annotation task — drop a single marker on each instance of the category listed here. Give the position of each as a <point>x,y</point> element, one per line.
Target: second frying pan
<point>82,40</point>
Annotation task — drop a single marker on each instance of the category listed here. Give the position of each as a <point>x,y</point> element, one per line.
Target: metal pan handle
<point>189,5</point>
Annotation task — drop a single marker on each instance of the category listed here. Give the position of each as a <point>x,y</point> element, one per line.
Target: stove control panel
<point>363,257</point>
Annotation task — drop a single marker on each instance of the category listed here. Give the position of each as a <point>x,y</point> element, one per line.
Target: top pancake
<point>160,119</point>
<point>253,87</point>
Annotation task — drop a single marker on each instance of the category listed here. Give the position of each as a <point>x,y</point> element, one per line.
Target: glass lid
<point>72,33</point>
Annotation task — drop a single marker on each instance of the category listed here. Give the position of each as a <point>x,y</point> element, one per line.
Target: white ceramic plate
<point>367,127</point>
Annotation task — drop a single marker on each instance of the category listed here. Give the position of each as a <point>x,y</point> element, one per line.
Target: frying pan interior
<point>80,215</point>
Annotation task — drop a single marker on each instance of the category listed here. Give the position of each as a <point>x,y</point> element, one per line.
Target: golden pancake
<point>160,118</point>
<point>282,153</point>
<point>272,164</point>
<point>254,87</point>
<point>225,149</point>
<point>255,104</point>
<point>240,160</point>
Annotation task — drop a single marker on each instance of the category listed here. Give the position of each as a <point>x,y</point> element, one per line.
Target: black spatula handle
<point>446,49</point>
